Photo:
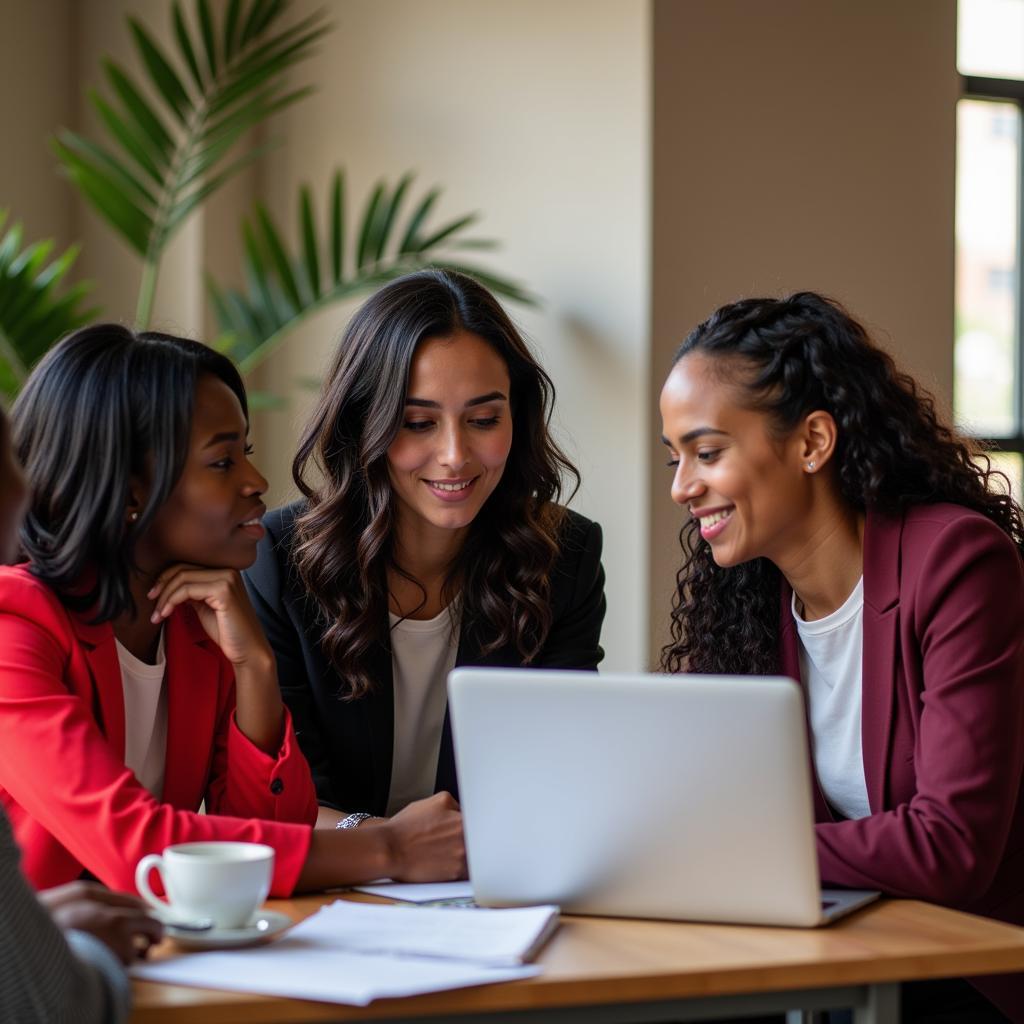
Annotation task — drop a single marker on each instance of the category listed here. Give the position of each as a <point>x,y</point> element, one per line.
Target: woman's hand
<point>426,840</point>
<point>422,843</point>
<point>224,609</point>
<point>117,919</point>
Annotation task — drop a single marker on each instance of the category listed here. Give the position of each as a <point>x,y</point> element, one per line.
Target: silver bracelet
<point>353,819</point>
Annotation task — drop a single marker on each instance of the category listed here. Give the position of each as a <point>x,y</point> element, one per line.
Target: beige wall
<point>38,77</point>
<point>796,143</point>
<point>533,113</point>
<point>800,144</point>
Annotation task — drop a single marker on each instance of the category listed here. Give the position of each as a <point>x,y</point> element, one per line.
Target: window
<point>988,371</point>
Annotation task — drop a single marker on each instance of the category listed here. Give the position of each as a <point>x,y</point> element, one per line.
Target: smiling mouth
<point>714,517</point>
<point>254,520</point>
<point>450,486</point>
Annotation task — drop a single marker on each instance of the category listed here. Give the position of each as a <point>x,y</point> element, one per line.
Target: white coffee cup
<point>225,882</point>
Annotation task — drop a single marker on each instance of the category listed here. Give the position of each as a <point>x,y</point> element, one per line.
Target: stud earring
<point>811,465</point>
<point>133,517</point>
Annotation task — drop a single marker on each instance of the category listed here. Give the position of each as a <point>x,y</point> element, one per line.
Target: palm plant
<point>174,135</point>
<point>34,306</point>
<point>164,159</point>
<point>284,289</point>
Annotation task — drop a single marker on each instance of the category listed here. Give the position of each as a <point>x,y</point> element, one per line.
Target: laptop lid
<point>681,797</point>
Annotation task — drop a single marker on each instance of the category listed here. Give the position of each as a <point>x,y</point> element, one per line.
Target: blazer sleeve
<point>58,767</point>
<point>247,782</point>
<point>265,583</point>
<point>946,843</point>
<point>574,639</point>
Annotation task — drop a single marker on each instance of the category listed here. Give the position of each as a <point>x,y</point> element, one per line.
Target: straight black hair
<point>105,404</point>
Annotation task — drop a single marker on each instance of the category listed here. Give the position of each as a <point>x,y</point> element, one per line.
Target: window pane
<point>990,38</point>
<point>988,139</point>
<point>1012,465</point>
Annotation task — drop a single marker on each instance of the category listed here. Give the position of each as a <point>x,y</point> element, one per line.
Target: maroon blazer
<point>942,726</point>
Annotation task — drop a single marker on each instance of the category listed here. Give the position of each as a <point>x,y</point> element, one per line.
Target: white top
<point>831,656</point>
<point>422,654</point>
<point>145,716</point>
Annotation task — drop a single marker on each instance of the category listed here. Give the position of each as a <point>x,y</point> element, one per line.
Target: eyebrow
<point>228,435</point>
<point>491,396</point>
<point>692,435</point>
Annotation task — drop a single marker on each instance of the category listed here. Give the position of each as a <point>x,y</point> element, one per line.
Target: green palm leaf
<point>162,158</point>
<point>35,308</point>
<point>285,286</point>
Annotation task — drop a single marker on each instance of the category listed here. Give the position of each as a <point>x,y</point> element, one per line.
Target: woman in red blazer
<point>839,533</point>
<point>145,508</point>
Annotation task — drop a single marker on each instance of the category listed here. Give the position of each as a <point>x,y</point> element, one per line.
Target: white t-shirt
<point>145,716</point>
<point>423,652</point>
<point>831,658</point>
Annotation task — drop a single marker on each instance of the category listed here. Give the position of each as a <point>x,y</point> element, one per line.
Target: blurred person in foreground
<point>47,975</point>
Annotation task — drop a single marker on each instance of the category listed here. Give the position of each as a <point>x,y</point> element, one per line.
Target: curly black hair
<point>790,357</point>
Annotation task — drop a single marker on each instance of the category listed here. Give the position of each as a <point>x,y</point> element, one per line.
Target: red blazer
<point>942,724</point>
<point>63,781</point>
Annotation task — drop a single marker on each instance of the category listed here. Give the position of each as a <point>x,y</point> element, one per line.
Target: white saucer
<point>266,925</point>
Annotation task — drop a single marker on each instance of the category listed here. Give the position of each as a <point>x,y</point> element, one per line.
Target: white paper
<point>309,962</point>
<point>419,892</point>
<point>496,937</point>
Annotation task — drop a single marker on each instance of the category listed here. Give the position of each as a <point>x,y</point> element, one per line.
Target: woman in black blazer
<point>434,511</point>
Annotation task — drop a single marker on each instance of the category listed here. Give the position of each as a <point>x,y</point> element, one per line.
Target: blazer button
<point>277,786</point>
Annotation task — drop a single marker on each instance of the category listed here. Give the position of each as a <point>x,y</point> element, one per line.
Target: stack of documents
<point>459,893</point>
<point>356,952</point>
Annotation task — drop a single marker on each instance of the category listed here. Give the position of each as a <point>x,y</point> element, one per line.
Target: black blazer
<point>349,744</point>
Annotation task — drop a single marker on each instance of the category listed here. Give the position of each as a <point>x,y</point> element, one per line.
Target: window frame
<point>980,87</point>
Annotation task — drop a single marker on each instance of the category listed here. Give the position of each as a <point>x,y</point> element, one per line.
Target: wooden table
<point>599,970</point>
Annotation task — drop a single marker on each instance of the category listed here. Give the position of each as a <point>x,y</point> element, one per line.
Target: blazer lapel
<point>882,535</point>
<point>789,651</point>
<point>469,653</point>
<point>100,650</point>
<point>380,711</point>
<point>192,678</point>
<point>447,779</point>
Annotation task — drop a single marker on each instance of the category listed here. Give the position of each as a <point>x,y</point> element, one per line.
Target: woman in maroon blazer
<point>840,533</point>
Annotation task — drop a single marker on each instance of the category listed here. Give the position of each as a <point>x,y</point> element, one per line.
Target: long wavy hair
<point>787,358</point>
<point>344,544</point>
<point>105,404</point>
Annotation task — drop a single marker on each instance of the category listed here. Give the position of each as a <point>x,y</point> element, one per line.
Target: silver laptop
<point>682,797</point>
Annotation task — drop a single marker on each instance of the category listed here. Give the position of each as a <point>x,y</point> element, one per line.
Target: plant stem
<point>10,354</point>
<point>147,291</point>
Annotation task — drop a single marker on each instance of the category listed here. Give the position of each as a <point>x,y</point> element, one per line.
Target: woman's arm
<point>264,582</point>
<point>257,768</point>
<point>219,598</point>
<point>946,843</point>
<point>68,787</point>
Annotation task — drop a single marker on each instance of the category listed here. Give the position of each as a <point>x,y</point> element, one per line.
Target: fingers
<point>218,588</point>
<point>79,890</point>
<point>69,893</point>
<point>131,936</point>
<point>125,929</point>
<point>430,844</point>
